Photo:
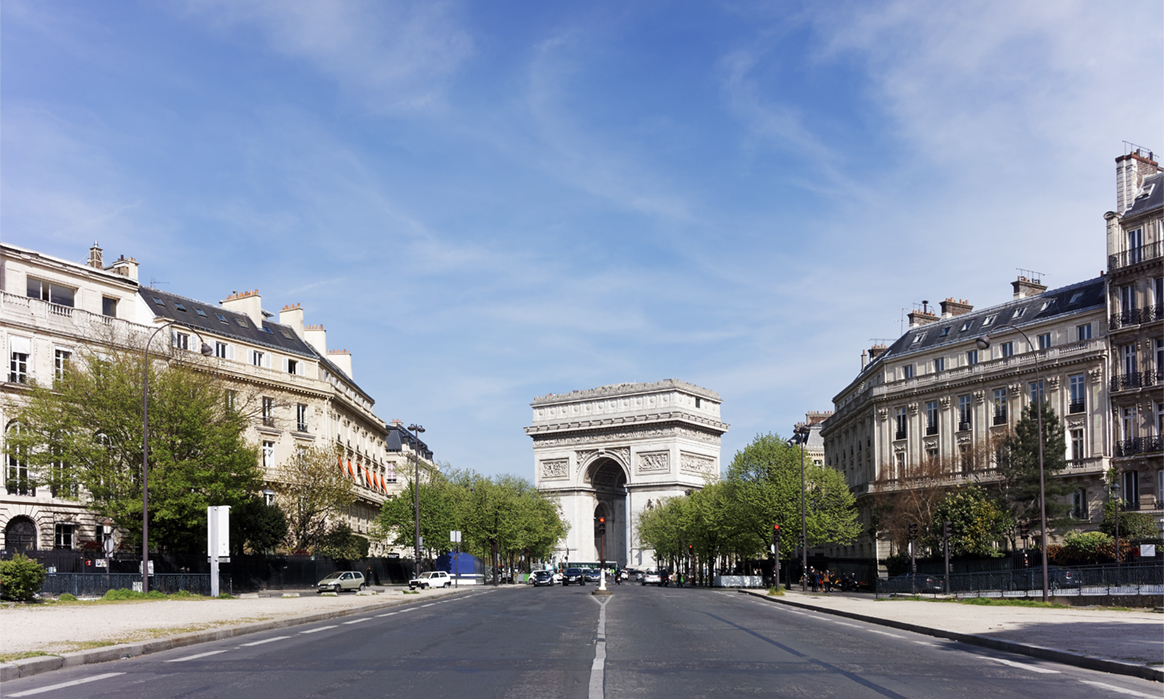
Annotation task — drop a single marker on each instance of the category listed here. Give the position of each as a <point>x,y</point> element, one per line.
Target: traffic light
<point>946,527</point>
<point>1024,530</point>
<point>601,526</point>
<point>775,534</point>
<point>690,550</point>
<point>913,530</point>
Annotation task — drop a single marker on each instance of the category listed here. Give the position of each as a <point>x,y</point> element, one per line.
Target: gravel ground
<point>60,628</point>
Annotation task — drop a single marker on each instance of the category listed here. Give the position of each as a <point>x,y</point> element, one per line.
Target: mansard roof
<point>1055,303</point>
<point>1150,196</point>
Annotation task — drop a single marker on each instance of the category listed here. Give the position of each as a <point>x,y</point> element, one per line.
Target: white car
<point>652,577</point>
<point>434,578</point>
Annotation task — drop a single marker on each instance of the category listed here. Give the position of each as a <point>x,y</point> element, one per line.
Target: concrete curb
<point>1089,662</point>
<point>47,663</point>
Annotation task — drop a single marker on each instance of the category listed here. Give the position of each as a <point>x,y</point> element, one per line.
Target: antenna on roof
<point>1029,275</point>
<point>155,282</point>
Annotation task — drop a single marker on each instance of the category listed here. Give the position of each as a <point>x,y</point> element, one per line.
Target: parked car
<point>557,577</point>
<point>651,577</point>
<point>435,578</point>
<point>1032,578</point>
<point>591,574</point>
<point>913,583</point>
<point>342,580</point>
<point>542,577</point>
<point>573,575</point>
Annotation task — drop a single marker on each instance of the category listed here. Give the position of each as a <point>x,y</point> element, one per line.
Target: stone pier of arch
<point>615,451</point>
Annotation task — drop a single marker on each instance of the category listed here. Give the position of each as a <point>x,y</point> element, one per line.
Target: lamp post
<point>800,436</point>
<point>207,350</point>
<point>416,430</point>
<point>983,343</point>
<point>1115,491</point>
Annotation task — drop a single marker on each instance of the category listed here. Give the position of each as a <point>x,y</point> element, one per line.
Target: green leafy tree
<point>82,439</point>
<point>438,513</point>
<point>256,527</point>
<point>342,544</point>
<point>978,524</point>
<point>1134,526</point>
<point>311,490</point>
<point>1019,468</point>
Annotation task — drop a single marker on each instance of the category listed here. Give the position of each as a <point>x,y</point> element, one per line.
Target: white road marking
<point>384,615</point>
<point>267,640</point>
<point>1025,666</point>
<point>885,633</point>
<point>62,685</point>
<point>1101,685</point>
<point>427,605</point>
<point>851,626</point>
<point>598,668</point>
<point>357,621</point>
<point>321,628</point>
<point>195,657</point>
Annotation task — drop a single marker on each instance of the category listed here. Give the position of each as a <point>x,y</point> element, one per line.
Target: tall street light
<point>800,436</point>
<point>207,350</point>
<point>416,429</point>
<point>983,343</point>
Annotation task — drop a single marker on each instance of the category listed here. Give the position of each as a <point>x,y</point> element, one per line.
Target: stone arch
<point>21,535</point>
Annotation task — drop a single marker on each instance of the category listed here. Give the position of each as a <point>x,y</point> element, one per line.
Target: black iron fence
<point>97,584</point>
<point>1028,582</point>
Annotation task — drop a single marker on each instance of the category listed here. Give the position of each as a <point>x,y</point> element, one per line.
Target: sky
<point>486,202</point>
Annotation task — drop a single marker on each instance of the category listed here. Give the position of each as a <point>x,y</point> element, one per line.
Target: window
<point>390,472</point>
<point>293,368</point>
<point>1045,341</point>
<point>180,341</point>
<point>220,350</point>
<point>258,358</point>
<point>965,459</point>
<point>966,326</point>
<point>945,331</point>
<point>918,338</point>
<point>1159,360</point>
<point>220,317</point>
<point>988,321</point>
<point>972,357</point>
<point>899,458</point>
<point>19,348</point>
<point>1077,385</point>
<point>1127,298</point>
<point>1046,304</point>
<point>158,301</point>
<point>268,411</point>
<point>231,400</point>
<point>53,293</point>
<point>698,402</point>
<point>932,417</point>
<point>268,455</point>
<point>1075,297</point>
<point>1037,395</point>
<point>939,364</point>
<point>16,479</point>
<point>1160,433</point>
<point>239,321</point>
<point>1131,490</point>
<point>108,307</point>
<point>301,418</point>
<point>1000,406</point>
<point>1079,505</point>
<point>932,453</point>
<point>902,421</point>
<point>201,313</point>
<point>61,358</point>
<point>1007,349</point>
<point>1128,352</point>
<point>1019,313</point>
<point>1128,427</point>
<point>1077,452</point>
<point>1135,239</point>
<point>965,410</point>
<point>63,483</point>
<point>1084,332</point>
<point>180,307</point>
<point>63,536</point>
<point>907,371</point>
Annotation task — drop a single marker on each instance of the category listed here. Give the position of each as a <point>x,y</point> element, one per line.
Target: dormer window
<point>988,321</point>
<point>158,301</point>
<point>220,317</point>
<point>966,326</point>
<point>200,312</point>
<point>945,331</point>
<point>918,338</point>
<point>1047,304</point>
<point>1019,313</point>
<point>180,307</point>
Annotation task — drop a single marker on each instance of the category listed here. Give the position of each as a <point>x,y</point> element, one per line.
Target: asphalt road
<point>564,642</point>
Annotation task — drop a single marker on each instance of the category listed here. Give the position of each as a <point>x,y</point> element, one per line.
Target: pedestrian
<point>828,582</point>
<point>813,578</point>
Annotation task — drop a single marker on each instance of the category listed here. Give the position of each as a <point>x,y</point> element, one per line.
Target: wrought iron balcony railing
<point>1139,445</point>
<point>1136,255</point>
<point>1077,406</point>
<point>1136,316</point>
<point>1000,418</point>
<point>932,429</point>
<point>1136,379</point>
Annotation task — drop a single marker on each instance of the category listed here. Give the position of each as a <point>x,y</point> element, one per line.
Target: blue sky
<point>487,202</point>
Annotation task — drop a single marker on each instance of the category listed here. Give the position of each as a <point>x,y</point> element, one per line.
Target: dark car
<point>573,575</point>
<point>543,577</point>
<point>914,583</point>
<point>591,574</point>
<point>1032,578</point>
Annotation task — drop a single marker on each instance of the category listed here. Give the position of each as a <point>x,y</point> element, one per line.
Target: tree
<point>256,526</point>
<point>82,438</point>
<point>978,523</point>
<point>311,489</point>
<point>1019,467</point>
<point>342,544</point>
<point>1134,526</point>
<point>437,513</point>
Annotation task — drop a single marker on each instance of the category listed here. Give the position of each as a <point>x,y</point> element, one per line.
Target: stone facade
<point>618,450</point>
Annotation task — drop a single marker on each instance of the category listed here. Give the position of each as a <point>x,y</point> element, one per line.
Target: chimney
<point>1024,287</point>
<point>816,418</point>
<point>876,351</point>
<point>249,303</point>
<point>316,336</point>
<point>95,257</point>
<point>864,359</point>
<point>397,423</point>
<point>923,317</point>
<point>1131,169</point>
<point>342,359</point>
<point>953,307</point>
<point>126,267</point>
<point>292,316</point>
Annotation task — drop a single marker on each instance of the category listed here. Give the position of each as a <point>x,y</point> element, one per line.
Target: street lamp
<point>207,350</point>
<point>1115,491</point>
<point>416,429</point>
<point>800,436</point>
<point>983,343</point>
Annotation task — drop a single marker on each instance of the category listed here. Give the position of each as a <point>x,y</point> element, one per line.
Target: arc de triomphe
<point>617,450</point>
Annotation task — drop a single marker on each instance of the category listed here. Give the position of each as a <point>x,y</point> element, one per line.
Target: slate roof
<point>1154,186</point>
<point>1067,300</point>
<point>398,437</point>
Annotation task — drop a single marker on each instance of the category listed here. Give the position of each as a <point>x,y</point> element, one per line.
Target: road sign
<point>455,536</point>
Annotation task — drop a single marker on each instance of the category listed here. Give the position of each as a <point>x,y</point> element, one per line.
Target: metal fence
<point>97,584</point>
<point>1028,582</point>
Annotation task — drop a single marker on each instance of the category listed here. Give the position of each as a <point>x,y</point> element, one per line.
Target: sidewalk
<point>1122,642</point>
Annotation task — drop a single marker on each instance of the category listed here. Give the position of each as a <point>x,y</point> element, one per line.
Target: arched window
<point>20,535</point>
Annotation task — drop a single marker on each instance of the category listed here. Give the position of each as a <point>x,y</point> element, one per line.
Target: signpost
<point>455,537</point>
<point>217,541</point>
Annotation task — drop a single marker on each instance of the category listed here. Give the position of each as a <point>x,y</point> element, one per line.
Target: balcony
<point>1136,379</point>
<point>1135,256</point>
<point>1136,316</point>
<point>931,430</point>
<point>1077,406</point>
<point>1139,445</point>
<point>1000,419</point>
<point>900,434</point>
<point>964,426</point>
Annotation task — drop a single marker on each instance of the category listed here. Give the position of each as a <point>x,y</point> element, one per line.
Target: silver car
<point>342,580</point>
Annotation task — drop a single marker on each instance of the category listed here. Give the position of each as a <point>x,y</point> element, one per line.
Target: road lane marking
<point>851,626</point>
<point>598,667</point>
<point>1025,666</point>
<point>62,685</point>
<point>427,605</point>
<point>886,633</point>
<point>266,640</point>
<point>195,657</point>
<point>321,628</point>
<point>1101,685</point>
<point>358,621</point>
<point>384,615</point>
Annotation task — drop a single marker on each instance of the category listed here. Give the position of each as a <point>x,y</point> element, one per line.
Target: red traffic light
<point>602,520</point>
<point>776,527</point>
